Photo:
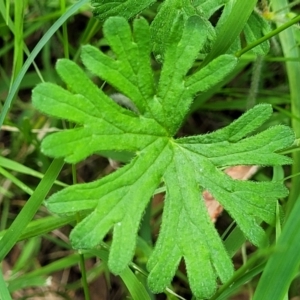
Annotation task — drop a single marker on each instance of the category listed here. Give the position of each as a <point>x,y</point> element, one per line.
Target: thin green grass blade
<point>134,286</point>
<point>38,282</point>
<point>33,55</point>
<point>4,293</point>
<point>234,241</point>
<point>268,36</point>
<point>241,281</point>
<point>32,205</point>
<point>17,167</point>
<point>232,28</point>
<point>250,269</point>
<point>291,50</point>
<point>59,264</point>
<point>9,45</point>
<point>19,35</point>
<point>284,263</point>
<point>29,250</point>
<point>7,11</point>
<point>65,31</point>
<point>3,10</point>
<point>42,226</point>
<point>16,181</point>
<point>18,38</point>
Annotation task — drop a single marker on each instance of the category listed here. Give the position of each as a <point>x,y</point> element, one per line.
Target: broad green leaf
<point>125,8</point>
<point>185,166</point>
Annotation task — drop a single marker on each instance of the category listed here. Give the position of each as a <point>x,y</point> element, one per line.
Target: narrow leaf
<point>283,264</point>
<point>232,26</point>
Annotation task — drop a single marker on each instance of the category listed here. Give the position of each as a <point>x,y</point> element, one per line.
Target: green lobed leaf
<point>244,200</point>
<point>104,9</point>
<point>131,71</point>
<point>169,15</point>
<point>186,166</point>
<point>210,75</point>
<point>124,205</point>
<point>257,149</point>
<point>179,58</point>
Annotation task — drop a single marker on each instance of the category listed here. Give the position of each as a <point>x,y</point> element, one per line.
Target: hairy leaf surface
<point>186,166</point>
<point>170,11</point>
<point>125,8</point>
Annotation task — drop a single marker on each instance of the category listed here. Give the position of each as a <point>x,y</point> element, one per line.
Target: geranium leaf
<point>186,166</point>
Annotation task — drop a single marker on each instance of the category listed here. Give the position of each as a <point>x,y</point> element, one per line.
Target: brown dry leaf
<point>238,172</point>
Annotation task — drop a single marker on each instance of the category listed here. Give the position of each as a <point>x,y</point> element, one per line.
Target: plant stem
<point>274,32</point>
<point>18,38</point>
<point>231,28</point>
<point>84,280</point>
<point>65,30</point>
<point>255,81</point>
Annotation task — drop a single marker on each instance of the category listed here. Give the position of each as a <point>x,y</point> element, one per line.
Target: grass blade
<point>33,55</point>
<point>283,264</point>
<point>16,181</point>
<point>18,40</point>
<point>135,287</point>
<point>4,293</point>
<point>17,167</point>
<point>43,226</point>
<point>231,28</point>
<point>15,230</point>
<point>291,50</point>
